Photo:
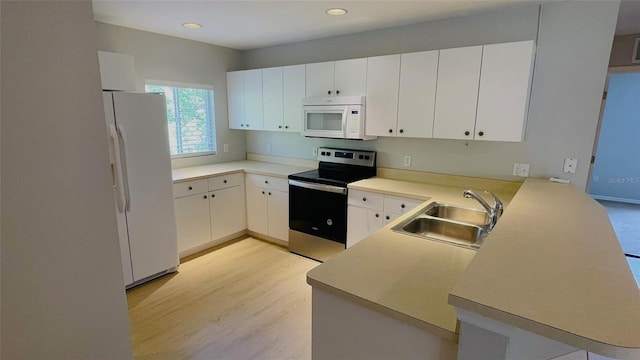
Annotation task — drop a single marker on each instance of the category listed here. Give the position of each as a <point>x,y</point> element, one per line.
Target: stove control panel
<point>346,156</point>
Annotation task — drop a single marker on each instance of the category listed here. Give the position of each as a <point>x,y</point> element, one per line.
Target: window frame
<point>177,84</point>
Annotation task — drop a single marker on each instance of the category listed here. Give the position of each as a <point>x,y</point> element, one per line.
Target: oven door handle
<point>321,187</point>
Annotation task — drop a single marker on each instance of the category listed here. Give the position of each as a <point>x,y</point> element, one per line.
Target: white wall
<point>569,78</point>
<point>62,292</point>
<point>162,57</point>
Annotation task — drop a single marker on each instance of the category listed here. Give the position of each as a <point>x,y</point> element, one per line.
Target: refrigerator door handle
<point>125,175</point>
<point>120,199</point>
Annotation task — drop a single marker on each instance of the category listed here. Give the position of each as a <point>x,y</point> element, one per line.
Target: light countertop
<point>255,167</point>
<point>552,266</point>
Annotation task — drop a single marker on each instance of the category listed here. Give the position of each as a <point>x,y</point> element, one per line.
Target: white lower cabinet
<point>208,211</point>
<point>268,206</point>
<point>368,212</point>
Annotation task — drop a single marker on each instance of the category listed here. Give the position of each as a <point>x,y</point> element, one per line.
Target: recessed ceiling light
<point>336,11</point>
<point>192,25</point>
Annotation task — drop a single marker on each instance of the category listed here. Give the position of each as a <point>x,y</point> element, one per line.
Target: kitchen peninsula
<point>549,280</point>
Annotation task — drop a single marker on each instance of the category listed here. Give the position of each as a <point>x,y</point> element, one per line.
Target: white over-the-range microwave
<point>338,117</point>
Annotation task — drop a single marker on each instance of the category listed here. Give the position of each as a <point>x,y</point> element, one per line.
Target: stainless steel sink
<point>456,213</point>
<point>447,223</point>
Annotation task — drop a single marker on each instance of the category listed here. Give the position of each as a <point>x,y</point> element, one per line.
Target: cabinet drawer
<point>366,199</point>
<point>268,182</point>
<point>224,181</point>
<point>399,205</point>
<point>189,188</point>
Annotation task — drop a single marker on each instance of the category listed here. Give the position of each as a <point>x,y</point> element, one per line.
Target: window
<point>190,113</point>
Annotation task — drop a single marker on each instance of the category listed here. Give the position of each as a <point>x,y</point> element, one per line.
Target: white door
<point>253,113</point>
<point>361,222</point>
<point>142,119</point>
<point>383,74</point>
<point>278,214</point>
<point>294,92</point>
<point>350,77</point>
<point>457,94</point>
<point>192,221</point>
<point>257,209</point>
<point>319,79</point>
<point>417,95</point>
<point>235,99</point>
<point>272,92</point>
<point>227,208</point>
<point>505,81</point>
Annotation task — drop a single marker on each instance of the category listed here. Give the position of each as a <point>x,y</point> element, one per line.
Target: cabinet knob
<point>266,181</point>
<point>364,199</point>
<point>241,125</point>
<point>481,133</point>
<point>263,193</point>
<point>466,133</point>
<point>190,187</point>
<point>401,131</point>
<point>286,126</point>
<point>377,215</point>
<point>247,125</point>
<point>269,193</point>
<point>279,126</point>
<point>225,181</point>
<point>390,131</point>
<point>205,196</point>
<point>213,195</point>
<point>329,92</point>
<point>387,217</point>
<point>402,206</point>
<point>337,92</point>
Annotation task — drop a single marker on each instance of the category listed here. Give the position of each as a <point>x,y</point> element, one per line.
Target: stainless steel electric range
<point>318,201</point>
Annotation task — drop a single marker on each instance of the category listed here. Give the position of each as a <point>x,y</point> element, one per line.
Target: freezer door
<point>141,121</point>
<point>121,218</point>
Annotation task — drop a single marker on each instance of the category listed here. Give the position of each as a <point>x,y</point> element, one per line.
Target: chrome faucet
<point>494,211</point>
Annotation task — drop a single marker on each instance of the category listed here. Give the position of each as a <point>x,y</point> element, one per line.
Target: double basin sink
<point>455,225</point>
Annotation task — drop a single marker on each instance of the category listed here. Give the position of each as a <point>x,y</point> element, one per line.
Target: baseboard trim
<point>616,199</point>
<point>210,244</point>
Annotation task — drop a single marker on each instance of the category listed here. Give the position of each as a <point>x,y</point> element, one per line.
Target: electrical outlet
<point>521,170</point>
<point>407,160</point>
<point>570,165</point>
<point>315,151</point>
<point>268,148</point>
<point>226,147</point>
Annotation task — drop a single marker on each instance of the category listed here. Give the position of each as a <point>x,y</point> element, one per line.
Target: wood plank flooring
<point>246,300</point>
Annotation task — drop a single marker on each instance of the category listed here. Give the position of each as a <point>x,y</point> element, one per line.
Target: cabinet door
<point>294,90</point>
<point>257,209</point>
<point>383,73</point>
<point>227,209</point>
<point>192,221</point>
<point>457,94</point>
<point>503,98</point>
<point>253,114</point>
<point>351,77</point>
<point>272,93</point>
<point>235,99</point>
<point>361,222</point>
<point>417,95</point>
<point>319,79</point>
<point>278,214</point>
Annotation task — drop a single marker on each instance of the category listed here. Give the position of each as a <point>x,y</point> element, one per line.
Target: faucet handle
<point>498,207</point>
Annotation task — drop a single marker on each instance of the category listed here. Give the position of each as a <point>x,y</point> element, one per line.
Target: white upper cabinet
<point>272,97</point>
<point>417,95</point>
<point>294,92</point>
<point>503,99</point>
<point>253,113</point>
<point>383,74</point>
<point>337,78</point>
<point>235,99</point>
<point>457,93</point>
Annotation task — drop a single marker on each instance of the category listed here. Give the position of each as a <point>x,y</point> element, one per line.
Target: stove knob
<point>361,157</point>
<point>366,157</point>
<point>328,153</point>
<point>323,153</point>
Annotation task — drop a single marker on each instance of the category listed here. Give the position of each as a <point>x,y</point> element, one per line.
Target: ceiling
<point>253,24</point>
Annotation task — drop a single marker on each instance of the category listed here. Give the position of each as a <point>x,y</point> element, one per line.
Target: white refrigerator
<point>141,168</point>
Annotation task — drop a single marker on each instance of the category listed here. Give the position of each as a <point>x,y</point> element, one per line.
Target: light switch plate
<point>570,165</point>
<point>521,169</point>
<point>226,147</point>
<point>315,151</point>
<point>407,160</point>
<point>268,148</point>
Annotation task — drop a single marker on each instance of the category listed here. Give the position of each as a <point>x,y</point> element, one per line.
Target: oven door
<point>325,121</point>
<point>319,210</point>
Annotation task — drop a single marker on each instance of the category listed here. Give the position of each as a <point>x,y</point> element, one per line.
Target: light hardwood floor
<point>246,300</point>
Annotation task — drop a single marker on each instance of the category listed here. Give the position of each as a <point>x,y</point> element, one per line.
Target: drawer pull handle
<point>402,206</point>
<point>263,193</point>
<point>205,196</point>
<point>364,199</point>
<point>269,193</point>
<point>225,181</point>
<point>266,182</point>
<point>190,188</point>
<point>387,217</point>
<point>377,215</point>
